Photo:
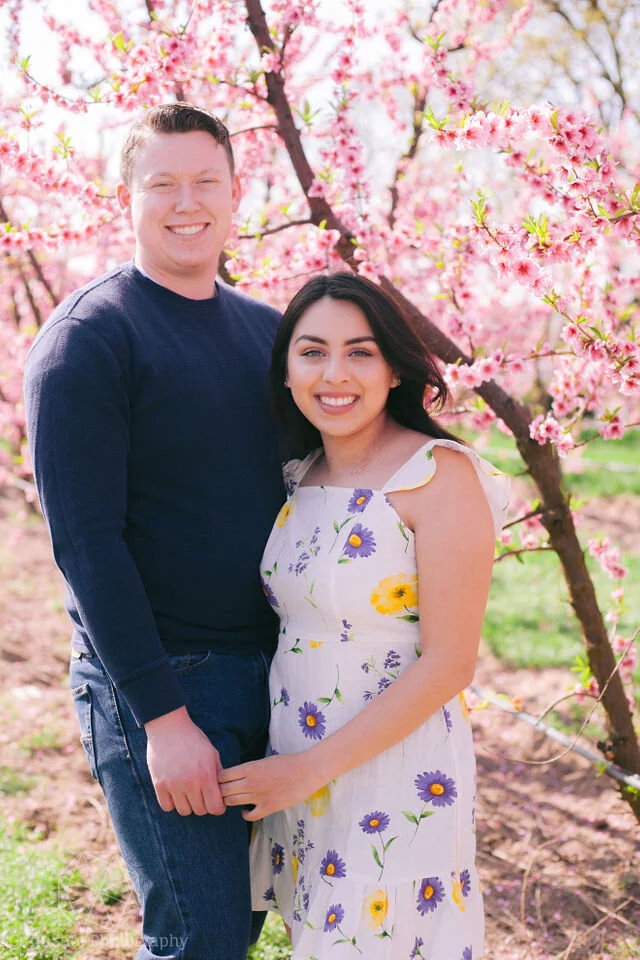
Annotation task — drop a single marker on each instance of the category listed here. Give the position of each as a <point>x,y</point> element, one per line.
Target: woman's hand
<point>270,784</point>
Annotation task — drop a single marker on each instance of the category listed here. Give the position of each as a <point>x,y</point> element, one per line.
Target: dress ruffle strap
<point>421,469</point>
<point>294,470</point>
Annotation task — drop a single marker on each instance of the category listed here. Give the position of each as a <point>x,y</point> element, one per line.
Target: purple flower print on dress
<point>360,542</point>
<point>465,883</point>
<point>269,594</point>
<point>333,866</point>
<point>430,895</point>
<point>383,683</point>
<point>434,787</point>
<point>416,952</point>
<point>277,858</point>
<point>345,636</point>
<point>447,719</point>
<point>284,698</point>
<point>392,660</point>
<point>312,721</point>
<point>359,500</point>
<point>270,895</point>
<point>334,916</point>
<point>467,953</point>
<point>375,822</point>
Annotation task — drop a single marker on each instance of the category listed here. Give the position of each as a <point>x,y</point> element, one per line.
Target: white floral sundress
<point>380,863</point>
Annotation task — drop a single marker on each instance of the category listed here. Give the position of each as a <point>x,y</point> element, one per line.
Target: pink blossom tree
<point>370,140</point>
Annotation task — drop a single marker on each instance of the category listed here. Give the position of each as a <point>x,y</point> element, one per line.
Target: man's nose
<point>186,199</point>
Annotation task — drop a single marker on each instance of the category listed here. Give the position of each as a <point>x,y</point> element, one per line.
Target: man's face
<point>181,200</point>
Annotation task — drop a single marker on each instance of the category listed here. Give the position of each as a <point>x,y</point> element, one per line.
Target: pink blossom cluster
<point>608,556</point>
<point>546,429</point>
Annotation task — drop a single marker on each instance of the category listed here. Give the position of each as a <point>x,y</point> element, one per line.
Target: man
<point>158,473</point>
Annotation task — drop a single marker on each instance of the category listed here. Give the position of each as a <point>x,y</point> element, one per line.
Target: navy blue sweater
<point>158,471</point>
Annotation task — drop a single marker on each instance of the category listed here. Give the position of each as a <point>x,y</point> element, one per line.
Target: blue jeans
<point>190,874</point>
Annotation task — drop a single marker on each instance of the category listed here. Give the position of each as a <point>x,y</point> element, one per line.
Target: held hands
<point>184,765</point>
<point>271,784</point>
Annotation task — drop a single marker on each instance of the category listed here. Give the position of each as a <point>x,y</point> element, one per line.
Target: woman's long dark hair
<point>422,388</point>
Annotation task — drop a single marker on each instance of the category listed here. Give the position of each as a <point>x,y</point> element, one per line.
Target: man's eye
<point>161,184</point>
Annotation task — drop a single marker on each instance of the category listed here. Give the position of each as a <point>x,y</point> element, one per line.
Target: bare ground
<point>558,849</point>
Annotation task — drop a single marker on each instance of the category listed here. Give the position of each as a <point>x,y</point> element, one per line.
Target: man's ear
<point>236,192</point>
<point>123,196</point>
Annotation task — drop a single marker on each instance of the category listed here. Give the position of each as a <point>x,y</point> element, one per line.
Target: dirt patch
<point>556,851</point>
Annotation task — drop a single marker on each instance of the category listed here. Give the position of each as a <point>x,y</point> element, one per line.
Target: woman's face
<point>337,375</point>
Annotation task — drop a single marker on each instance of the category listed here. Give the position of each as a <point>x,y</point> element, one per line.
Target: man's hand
<point>184,765</point>
<point>270,784</point>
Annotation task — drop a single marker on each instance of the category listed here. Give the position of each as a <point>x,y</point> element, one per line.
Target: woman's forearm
<point>395,713</point>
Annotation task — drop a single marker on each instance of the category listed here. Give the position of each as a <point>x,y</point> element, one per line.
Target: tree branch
<point>34,263</point>
<point>419,101</point>
<point>271,230</point>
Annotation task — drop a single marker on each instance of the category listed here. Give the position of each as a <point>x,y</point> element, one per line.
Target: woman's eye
<point>361,353</point>
<point>313,352</point>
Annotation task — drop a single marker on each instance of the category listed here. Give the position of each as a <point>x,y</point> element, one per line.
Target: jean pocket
<point>184,663</point>
<point>84,711</point>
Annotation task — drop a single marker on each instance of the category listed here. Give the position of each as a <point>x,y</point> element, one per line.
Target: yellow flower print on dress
<point>375,909</point>
<point>464,708</point>
<point>319,801</point>
<point>285,512</point>
<point>394,594</point>
<point>295,863</point>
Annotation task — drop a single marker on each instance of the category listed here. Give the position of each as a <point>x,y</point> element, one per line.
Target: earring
<point>286,383</point>
<point>396,382</point>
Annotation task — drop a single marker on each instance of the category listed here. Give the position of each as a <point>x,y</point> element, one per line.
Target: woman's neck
<point>351,456</point>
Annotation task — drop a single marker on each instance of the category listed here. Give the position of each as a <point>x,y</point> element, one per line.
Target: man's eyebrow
<point>347,343</point>
<point>169,173</point>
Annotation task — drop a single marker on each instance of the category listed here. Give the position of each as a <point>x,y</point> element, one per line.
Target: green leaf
<point>338,696</point>
<point>411,817</point>
<point>376,856</point>
<point>425,814</point>
<point>336,526</point>
<point>388,843</point>
<point>409,617</point>
<point>324,699</point>
<point>344,560</point>
<point>24,64</point>
<point>118,41</point>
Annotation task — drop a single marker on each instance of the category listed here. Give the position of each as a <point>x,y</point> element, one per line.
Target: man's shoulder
<point>89,315</point>
<point>106,293</point>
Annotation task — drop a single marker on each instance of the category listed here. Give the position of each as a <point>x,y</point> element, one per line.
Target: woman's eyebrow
<point>347,343</point>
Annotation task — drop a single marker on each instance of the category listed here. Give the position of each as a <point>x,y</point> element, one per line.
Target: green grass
<point>109,884</point>
<point>13,783</point>
<point>36,915</point>
<point>529,621</point>
<point>273,943</point>
<point>610,467</point>
<point>46,739</point>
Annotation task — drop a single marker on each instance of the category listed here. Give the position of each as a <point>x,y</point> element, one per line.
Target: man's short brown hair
<point>172,118</point>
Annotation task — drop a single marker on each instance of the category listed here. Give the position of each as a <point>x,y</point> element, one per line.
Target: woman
<point>366,839</point>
